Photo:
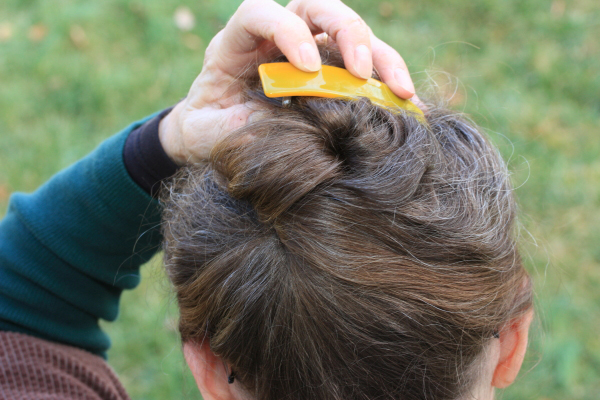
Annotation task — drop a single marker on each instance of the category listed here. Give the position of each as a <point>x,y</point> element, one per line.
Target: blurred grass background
<point>73,72</point>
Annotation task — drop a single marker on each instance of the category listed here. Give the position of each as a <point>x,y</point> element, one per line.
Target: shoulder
<point>32,368</point>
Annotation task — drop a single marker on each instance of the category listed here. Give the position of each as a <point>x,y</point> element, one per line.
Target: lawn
<point>73,72</point>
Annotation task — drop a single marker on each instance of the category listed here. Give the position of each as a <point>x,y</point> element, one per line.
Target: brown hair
<point>338,250</point>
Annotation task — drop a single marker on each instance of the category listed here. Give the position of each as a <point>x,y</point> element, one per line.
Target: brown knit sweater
<point>36,369</point>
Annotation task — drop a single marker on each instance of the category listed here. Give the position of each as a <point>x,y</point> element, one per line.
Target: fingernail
<point>362,61</point>
<point>403,78</point>
<point>310,57</point>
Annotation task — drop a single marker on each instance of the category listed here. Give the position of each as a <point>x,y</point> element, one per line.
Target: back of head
<point>338,250</point>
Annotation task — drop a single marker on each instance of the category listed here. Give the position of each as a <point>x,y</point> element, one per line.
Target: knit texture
<point>69,249</point>
<point>35,369</point>
<point>145,159</point>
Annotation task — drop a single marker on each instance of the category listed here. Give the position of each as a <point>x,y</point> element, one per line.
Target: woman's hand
<point>213,106</point>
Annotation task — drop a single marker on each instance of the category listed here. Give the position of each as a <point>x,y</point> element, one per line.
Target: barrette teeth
<point>286,102</point>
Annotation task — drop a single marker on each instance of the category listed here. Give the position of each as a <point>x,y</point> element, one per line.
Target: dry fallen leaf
<point>184,19</point>
<point>6,31</point>
<point>4,193</point>
<point>56,82</point>
<point>78,36</point>
<point>386,9</point>
<point>192,42</point>
<point>557,8</point>
<point>37,32</point>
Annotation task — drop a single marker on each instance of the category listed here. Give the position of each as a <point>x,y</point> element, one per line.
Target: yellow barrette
<point>284,80</point>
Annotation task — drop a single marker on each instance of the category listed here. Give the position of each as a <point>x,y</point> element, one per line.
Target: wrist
<point>145,158</point>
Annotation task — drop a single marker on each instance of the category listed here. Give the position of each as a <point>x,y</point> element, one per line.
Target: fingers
<point>255,21</point>
<point>360,49</point>
<point>291,29</point>
<point>344,26</point>
<point>392,69</point>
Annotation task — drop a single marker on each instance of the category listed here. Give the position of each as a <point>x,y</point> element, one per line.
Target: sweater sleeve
<point>145,159</point>
<point>69,249</point>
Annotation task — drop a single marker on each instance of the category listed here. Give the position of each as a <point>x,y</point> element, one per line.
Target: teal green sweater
<point>69,249</point>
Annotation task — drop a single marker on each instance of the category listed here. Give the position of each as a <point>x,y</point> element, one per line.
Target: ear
<point>208,371</point>
<point>513,344</point>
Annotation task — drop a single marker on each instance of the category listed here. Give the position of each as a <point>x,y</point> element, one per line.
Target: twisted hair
<point>339,250</point>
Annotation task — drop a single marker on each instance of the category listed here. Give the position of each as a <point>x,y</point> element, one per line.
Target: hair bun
<point>274,163</point>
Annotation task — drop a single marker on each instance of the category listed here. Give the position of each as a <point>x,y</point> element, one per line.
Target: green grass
<point>528,71</point>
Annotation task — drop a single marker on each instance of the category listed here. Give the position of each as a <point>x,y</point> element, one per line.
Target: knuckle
<point>242,8</point>
<point>213,47</point>
<point>355,26</point>
<point>248,5</point>
<point>292,26</point>
<point>209,53</point>
<point>277,31</point>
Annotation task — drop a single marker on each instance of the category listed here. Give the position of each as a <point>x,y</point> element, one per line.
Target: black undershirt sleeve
<point>144,157</point>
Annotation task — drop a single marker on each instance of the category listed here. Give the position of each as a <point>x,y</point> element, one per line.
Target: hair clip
<point>285,80</point>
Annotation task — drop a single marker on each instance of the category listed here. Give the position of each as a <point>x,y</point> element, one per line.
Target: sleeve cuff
<point>144,157</point>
